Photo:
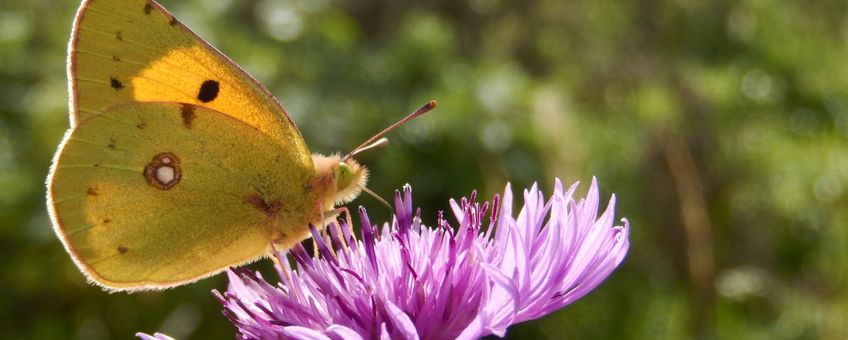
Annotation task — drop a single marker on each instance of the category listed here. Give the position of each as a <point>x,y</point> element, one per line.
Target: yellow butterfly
<point>178,164</point>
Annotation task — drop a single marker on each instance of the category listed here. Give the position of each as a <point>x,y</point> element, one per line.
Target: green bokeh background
<point>721,126</point>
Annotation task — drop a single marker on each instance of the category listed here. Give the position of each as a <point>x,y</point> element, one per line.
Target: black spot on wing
<point>148,8</point>
<point>208,91</point>
<point>173,21</point>
<point>119,35</point>
<point>122,249</point>
<point>115,83</point>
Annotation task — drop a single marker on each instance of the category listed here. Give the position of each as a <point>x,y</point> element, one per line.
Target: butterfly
<point>178,164</point>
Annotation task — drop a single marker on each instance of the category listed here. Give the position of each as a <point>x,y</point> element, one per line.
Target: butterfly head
<point>338,181</point>
<point>350,177</point>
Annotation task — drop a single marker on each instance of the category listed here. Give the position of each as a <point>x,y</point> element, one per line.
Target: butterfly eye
<point>344,176</point>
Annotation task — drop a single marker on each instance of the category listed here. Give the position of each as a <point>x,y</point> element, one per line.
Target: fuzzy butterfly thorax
<point>335,182</point>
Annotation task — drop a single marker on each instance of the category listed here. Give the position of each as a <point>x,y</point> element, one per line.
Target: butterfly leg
<point>315,243</point>
<point>336,212</point>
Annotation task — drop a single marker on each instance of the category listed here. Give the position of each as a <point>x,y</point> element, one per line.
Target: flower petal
<point>403,325</point>
<point>298,332</point>
<point>342,332</point>
<point>156,336</point>
<point>502,303</point>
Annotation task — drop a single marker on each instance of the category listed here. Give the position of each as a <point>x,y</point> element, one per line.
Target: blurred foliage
<point>720,125</point>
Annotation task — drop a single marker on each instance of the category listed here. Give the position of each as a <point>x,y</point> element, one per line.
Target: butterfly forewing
<point>134,50</point>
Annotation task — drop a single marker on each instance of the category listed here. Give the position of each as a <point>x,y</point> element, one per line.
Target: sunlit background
<point>722,127</point>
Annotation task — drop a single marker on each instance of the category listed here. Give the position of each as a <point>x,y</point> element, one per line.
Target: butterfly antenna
<point>373,194</point>
<point>378,141</point>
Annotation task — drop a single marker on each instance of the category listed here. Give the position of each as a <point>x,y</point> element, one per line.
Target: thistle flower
<point>409,281</point>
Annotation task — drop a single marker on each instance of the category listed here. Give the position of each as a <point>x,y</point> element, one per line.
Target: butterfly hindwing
<point>151,195</point>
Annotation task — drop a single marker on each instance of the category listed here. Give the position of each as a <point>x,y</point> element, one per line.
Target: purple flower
<point>409,281</point>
